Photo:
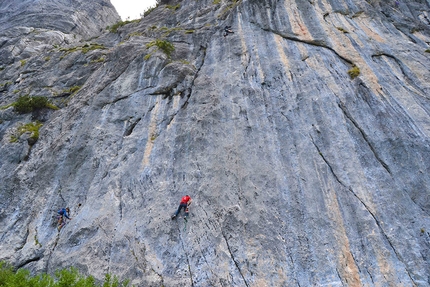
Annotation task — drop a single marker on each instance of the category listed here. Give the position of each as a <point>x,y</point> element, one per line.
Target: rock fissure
<point>327,162</point>
<point>28,261</point>
<point>371,213</point>
<point>308,42</point>
<point>252,125</point>
<point>186,256</point>
<point>404,73</point>
<point>365,137</point>
<point>236,263</point>
<point>378,224</point>
<point>23,241</point>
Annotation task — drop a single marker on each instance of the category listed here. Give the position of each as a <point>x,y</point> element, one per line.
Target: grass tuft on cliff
<point>114,28</point>
<point>32,128</point>
<point>66,277</point>
<point>27,104</point>
<point>163,45</point>
<point>354,72</point>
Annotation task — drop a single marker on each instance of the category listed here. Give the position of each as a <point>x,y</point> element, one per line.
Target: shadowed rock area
<point>302,137</point>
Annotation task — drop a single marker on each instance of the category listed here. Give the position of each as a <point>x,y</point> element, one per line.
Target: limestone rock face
<point>300,174</point>
<point>86,18</point>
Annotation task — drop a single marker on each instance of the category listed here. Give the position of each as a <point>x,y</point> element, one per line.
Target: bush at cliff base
<point>62,278</point>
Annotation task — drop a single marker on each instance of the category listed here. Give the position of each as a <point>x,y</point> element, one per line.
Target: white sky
<point>131,8</point>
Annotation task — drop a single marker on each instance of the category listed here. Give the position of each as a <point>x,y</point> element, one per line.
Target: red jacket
<point>185,199</point>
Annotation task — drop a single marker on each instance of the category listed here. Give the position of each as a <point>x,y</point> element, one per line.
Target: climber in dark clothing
<point>227,30</point>
<point>61,215</point>
<point>185,202</point>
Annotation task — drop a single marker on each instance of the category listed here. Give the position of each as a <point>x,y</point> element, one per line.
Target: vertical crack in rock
<point>326,162</point>
<point>51,251</point>
<point>365,137</point>
<point>190,89</point>
<point>188,260</point>
<point>399,257</point>
<point>234,259</point>
<point>120,205</point>
<point>61,195</point>
<point>24,240</point>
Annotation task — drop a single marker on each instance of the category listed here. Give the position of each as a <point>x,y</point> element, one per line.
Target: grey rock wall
<point>85,18</point>
<point>300,175</point>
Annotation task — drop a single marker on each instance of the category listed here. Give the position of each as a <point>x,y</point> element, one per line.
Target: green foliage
<point>216,2</point>
<point>427,51</point>
<point>33,129</point>
<point>114,281</point>
<point>99,60</point>
<point>228,8</point>
<point>5,84</point>
<point>47,59</point>
<point>163,45</point>
<point>354,72</point>
<point>84,49</point>
<point>342,30</point>
<point>72,90</point>
<point>62,278</point>
<point>36,241</point>
<point>149,10</point>
<point>189,31</point>
<point>23,62</point>
<point>134,34</point>
<point>114,28</point>
<point>147,56</point>
<point>174,8</point>
<point>89,47</point>
<point>27,104</point>
<point>4,108</point>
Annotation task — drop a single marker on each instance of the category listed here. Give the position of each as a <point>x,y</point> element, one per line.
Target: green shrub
<point>33,128</point>
<point>89,47</point>
<point>23,62</point>
<point>84,49</point>
<point>62,278</point>
<point>99,60</point>
<point>163,45</point>
<point>354,72</point>
<point>174,8</point>
<point>27,104</point>
<point>216,2</point>
<point>114,28</point>
<point>149,10</point>
<point>5,84</point>
<point>427,51</point>
<point>72,90</point>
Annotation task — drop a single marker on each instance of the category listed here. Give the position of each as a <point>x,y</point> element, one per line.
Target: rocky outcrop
<point>302,174</point>
<point>82,18</point>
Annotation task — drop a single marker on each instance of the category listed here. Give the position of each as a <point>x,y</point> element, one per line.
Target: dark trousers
<point>184,206</point>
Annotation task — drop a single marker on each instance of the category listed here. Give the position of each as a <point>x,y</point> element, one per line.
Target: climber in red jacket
<point>185,202</point>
